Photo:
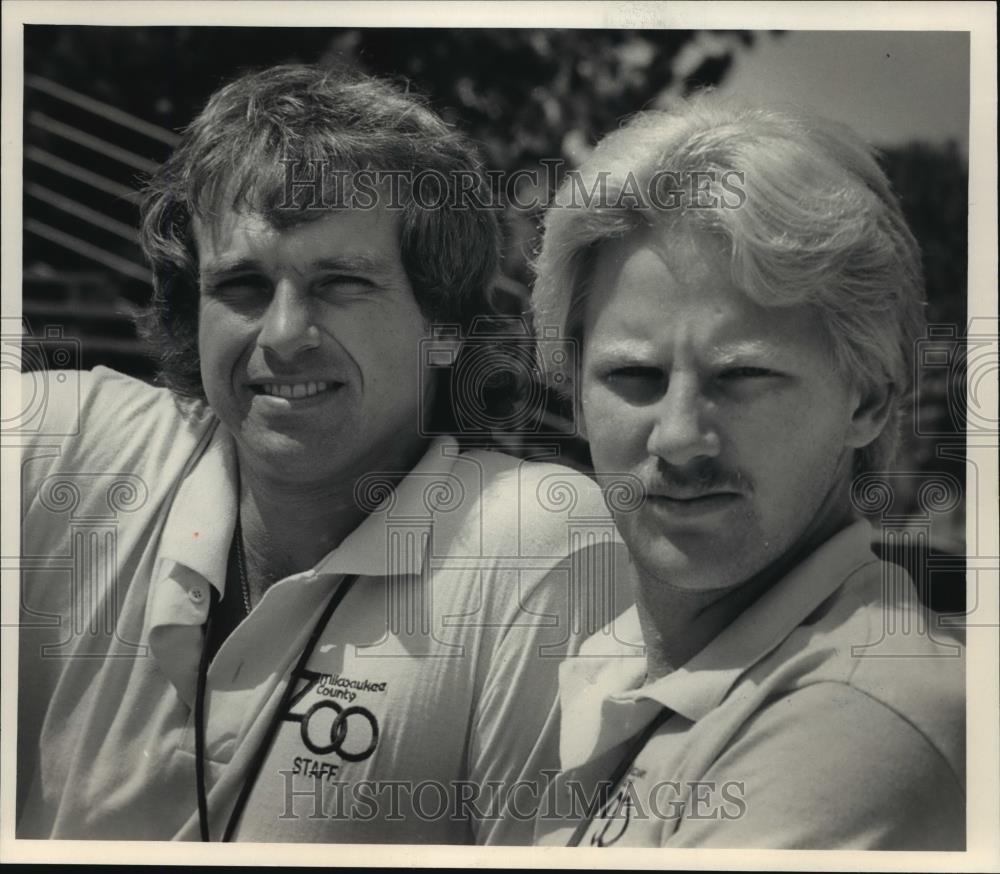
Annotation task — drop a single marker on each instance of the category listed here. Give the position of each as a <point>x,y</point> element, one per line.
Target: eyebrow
<point>624,350</point>
<point>758,349</point>
<point>723,354</point>
<point>229,268</point>
<point>355,263</point>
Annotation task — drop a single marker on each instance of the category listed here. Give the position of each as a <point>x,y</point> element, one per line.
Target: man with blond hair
<point>747,296</point>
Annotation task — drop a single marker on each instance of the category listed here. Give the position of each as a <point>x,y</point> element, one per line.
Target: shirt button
<point>197,595</point>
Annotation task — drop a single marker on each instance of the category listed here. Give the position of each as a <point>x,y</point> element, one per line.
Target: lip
<point>280,403</point>
<point>691,506</point>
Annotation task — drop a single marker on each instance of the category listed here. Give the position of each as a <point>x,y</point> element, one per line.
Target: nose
<point>287,326</point>
<point>682,430</point>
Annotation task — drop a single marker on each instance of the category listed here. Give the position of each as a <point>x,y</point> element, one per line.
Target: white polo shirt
<point>429,695</point>
<point>829,715</point>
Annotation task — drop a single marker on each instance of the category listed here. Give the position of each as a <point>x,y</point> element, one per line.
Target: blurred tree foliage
<point>933,186</point>
<point>524,95</point>
<point>534,94</point>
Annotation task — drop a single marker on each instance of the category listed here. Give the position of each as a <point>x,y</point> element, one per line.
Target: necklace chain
<point>244,582</point>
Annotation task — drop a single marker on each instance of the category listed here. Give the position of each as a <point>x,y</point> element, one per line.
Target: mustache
<point>701,475</point>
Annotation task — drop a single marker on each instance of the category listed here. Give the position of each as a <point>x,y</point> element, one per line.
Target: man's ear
<point>872,407</point>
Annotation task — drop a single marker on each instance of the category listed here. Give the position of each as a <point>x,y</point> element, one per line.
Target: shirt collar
<point>393,537</point>
<point>200,524</point>
<point>603,703</point>
<point>201,520</point>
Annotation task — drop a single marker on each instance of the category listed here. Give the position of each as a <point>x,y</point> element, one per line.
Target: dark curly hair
<point>235,154</point>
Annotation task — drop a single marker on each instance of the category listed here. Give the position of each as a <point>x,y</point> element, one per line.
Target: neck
<point>678,623</point>
<point>289,527</point>
<point>287,533</point>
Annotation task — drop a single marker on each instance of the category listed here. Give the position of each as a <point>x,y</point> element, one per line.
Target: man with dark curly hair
<point>310,618</point>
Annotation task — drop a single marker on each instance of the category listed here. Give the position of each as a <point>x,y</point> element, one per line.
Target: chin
<point>289,459</point>
<point>695,566</point>
<point>297,468</point>
<point>691,576</point>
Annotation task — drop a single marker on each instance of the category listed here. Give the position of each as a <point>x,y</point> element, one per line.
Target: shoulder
<point>828,766</point>
<point>873,646</point>
<point>543,542</point>
<point>855,737</point>
<point>102,421</point>
<point>544,484</point>
<point>915,667</point>
<point>71,403</point>
<point>528,508</point>
<point>110,397</point>
<point>895,651</point>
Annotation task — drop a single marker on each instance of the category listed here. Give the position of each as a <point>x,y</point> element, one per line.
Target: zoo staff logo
<point>328,727</point>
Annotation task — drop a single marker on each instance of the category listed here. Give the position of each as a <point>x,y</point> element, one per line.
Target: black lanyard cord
<point>199,718</point>
<point>257,762</point>
<point>631,754</point>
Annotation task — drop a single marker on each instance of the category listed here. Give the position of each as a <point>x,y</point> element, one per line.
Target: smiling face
<point>309,340</point>
<point>729,412</point>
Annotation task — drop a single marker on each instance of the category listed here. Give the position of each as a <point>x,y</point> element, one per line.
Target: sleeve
<point>45,414</point>
<point>48,405</point>
<point>90,420</point>
<point>82,431</point>
<point>515,734</point>
<point>100,422</point>
<point>828,767</point>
